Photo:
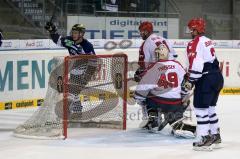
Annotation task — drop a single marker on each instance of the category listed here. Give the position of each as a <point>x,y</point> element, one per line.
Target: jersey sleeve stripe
<point>192,54</point>
<point>194,72</point>
<point>194,78</point>
<point>164,42</point>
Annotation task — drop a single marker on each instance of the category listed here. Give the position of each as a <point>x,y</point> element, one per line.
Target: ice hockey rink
<point>108,144</point>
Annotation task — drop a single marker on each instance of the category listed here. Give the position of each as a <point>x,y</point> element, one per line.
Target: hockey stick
<point>54,12</point>
<point>103,84</point>
<point>53,17</point>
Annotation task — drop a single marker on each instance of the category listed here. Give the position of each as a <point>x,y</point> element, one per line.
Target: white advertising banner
<point>10,45</point>
<point>179,43</point>
<point>123,27</point>
<point>223,43</point>
<point>34,44</point>
<point>236,43</point>
<point>39,44</point>
<point>24,74</point>
<point>52,45</point>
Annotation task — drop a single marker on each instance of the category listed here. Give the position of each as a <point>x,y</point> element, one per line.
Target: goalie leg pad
<point>151,121</point>
<point>185,130</point>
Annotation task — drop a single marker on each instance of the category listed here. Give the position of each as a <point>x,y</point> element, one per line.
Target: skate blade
<point>203,148</point>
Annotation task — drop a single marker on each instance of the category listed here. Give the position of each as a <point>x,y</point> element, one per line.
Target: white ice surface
<point>109,144</point>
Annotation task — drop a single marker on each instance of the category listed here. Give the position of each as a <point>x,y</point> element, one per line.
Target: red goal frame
<point>66,80</point>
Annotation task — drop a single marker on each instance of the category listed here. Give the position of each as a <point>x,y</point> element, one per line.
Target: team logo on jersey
<point>192,54</point>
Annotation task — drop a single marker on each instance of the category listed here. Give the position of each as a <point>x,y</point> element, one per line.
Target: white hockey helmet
<point>162,52</point>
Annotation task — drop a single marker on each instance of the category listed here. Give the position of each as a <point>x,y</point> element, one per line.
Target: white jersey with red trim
<point>161,79</point>
<point>200,50</point>
<point>146,51</point>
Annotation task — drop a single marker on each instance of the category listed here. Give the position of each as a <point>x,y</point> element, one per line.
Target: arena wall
<point>25,67</point>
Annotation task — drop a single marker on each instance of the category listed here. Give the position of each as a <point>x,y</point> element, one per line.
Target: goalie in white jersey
<point>159,92</point>
<point>146,51</point>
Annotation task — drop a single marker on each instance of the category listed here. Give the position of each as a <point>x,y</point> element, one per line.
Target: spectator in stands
<point>156,6</point>
<point>1,37</point>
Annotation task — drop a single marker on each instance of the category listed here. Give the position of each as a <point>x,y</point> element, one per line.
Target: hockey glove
<point>50,27</point>
<point>187,85</point>
<point>138,74</point>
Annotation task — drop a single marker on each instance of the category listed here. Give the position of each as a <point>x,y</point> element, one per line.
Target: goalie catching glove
<point>187,85</point>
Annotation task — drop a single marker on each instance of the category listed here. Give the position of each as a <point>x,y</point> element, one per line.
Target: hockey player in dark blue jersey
<point>76,43</point>
<point>83,69</point>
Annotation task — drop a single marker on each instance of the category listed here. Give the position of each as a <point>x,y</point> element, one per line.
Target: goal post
<point>83,91</point>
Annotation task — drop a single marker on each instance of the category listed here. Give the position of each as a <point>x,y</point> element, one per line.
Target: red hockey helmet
<point>146,26</point>
<point>198,24</point>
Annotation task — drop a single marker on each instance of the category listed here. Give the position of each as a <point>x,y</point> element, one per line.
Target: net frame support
<point>66,80</point>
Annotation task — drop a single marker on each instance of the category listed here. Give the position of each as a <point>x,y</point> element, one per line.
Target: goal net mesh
<point>84,91</point>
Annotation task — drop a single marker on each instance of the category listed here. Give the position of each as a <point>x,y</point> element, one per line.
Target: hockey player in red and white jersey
<point>205,74</point>
<point>159,92</point>
<point>146,51</point>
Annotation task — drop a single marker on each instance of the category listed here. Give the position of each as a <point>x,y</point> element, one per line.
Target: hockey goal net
<point>83,91</point>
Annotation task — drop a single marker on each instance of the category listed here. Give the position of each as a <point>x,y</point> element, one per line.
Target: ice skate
<point>205,144</point>
<point>150,123</point>
<point>216,141</point>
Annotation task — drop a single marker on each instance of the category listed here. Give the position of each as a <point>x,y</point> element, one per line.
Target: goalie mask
<point>161,52</point>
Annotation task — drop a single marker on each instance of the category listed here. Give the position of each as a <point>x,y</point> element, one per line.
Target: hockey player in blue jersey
<point>82,69</point>
<point>76,43</point>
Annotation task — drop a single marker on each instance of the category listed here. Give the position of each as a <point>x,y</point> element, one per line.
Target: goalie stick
<point>99,85</point>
